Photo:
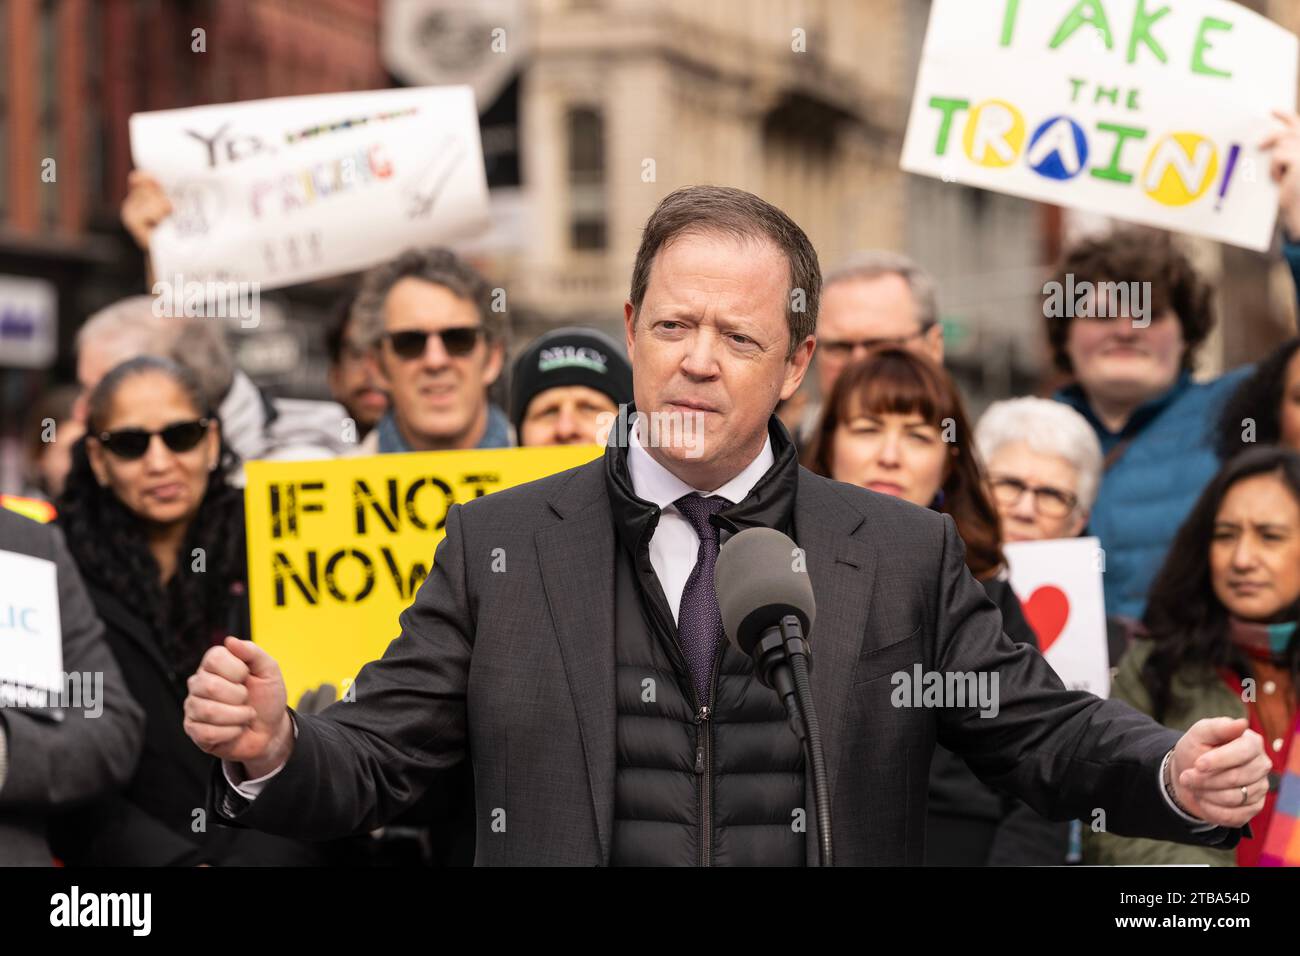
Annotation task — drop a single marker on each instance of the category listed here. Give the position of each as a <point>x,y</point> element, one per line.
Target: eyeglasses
<point>411,343</point>
<point>131,443</point>
<point>843,348</point>
<point>1048,502</point>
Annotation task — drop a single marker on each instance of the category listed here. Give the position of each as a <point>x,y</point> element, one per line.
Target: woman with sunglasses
<point>895,423</point>
<point>157,533</point>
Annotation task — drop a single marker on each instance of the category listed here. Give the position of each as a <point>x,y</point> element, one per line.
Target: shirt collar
<point>1074,396</point>
<point>654,483</point>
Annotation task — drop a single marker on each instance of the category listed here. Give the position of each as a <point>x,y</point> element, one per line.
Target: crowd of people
<point>1192,486</point>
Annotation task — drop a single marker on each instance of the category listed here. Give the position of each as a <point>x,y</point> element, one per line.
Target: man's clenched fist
<point>1220,771</point>
<point>236,708</point>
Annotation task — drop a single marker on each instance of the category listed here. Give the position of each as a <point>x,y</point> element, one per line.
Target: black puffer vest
<point>698,785</point>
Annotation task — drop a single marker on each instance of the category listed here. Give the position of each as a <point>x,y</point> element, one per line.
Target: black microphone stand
<point>781,645</point>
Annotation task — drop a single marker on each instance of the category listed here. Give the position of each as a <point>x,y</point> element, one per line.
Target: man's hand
<point>144,207</point>
<point>1284,166</point>
<point>236,708</point>
<point>1212,762</point>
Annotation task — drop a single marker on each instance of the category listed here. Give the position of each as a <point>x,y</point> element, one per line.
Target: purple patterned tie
<point>699,622</point>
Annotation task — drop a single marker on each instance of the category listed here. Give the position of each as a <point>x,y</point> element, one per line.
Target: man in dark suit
<point>568,640</point>
<point>54,758</point>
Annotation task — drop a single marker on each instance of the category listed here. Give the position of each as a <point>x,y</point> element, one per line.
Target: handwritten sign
<point>31,636</point>
<point>1059,586</point>
<point>1142,110</point>
<point>338,549</point>
<point>298,188</point>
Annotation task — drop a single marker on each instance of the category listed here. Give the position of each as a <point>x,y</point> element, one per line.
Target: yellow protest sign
<point>337,549</point>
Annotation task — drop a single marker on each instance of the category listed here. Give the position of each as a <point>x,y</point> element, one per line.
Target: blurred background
<point>593,111</point>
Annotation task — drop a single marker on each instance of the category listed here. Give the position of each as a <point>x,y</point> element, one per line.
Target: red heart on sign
<point>1047,610</point>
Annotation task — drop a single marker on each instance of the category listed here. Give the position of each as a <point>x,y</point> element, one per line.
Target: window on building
<point>587,216</point>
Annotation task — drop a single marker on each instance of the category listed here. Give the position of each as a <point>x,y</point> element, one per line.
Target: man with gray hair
<point>876,299</point>
<point>255,426</point>
<point>440,333</point>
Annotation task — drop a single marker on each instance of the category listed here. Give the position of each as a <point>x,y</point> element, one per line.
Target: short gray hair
<point>429,264</point>
<point>876,263</point>
<point>1048,428</point>
<point>129,328</point>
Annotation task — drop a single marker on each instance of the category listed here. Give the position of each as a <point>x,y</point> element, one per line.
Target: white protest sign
<point>31,637</point>
<point>289,190</point>
<point>1059,586</point>
<point>1143,110</point>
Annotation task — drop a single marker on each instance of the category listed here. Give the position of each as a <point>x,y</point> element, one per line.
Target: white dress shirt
<point>674,546</point>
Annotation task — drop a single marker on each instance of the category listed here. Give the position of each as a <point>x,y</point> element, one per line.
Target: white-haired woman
<point>1044,463</point>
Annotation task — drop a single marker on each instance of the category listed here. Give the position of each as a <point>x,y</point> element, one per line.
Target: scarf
<point>1269,642</point>
<point>391,441</point>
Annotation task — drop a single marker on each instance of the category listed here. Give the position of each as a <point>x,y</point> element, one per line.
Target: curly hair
<point>1257,399</point>
<point>1132,255</point>
<point>1184,617</point>
<point>110,546</point>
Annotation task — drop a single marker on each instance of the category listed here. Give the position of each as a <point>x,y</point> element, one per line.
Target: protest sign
<point>337,549</point>
<point>1137,109</point>
<point>1059,586</point>
<point>288,190</point>
<point>31,636</point>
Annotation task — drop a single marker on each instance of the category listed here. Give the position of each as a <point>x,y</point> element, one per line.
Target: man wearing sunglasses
<point>440,347</point>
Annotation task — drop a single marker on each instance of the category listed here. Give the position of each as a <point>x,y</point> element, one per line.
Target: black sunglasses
<point>131,443</point>
<point>411,343</point>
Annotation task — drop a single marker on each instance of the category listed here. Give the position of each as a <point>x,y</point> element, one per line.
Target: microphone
<point>758,581</point>
<point>767,604</point>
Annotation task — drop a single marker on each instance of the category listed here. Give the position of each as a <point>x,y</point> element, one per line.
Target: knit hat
<point>569,356</point>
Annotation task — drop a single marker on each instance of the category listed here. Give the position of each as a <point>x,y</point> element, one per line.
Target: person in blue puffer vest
<point>1133,379</point>
<point>1131,354</point>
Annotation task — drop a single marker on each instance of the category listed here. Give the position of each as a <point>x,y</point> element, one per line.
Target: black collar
<point>769,505</point>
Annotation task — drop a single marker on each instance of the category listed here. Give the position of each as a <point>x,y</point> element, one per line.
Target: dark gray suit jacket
<point>57,764</point>
<point>514,669</point>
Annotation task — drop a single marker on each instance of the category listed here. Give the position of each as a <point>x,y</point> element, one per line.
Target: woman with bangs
<point>895,423</point>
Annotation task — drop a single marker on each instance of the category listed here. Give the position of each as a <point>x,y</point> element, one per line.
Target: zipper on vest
<point>703,769</point>
<point>704,765</point>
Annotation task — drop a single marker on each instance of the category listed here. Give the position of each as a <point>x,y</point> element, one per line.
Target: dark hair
<point>896,381</point>
<point>432,264</point>
<point>1259,399</point>
<point>1184,616</point>
<point>340,315</point>
<point>734,212</point>
<point>1133,255</point>
<point>110,545</point>
<point>55,405</point>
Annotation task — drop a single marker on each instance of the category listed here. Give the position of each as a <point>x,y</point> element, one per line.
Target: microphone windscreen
<point>761,576</point>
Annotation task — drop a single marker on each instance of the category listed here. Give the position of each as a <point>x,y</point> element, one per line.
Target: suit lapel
<point>576,556</point>
<point>842,569</point>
